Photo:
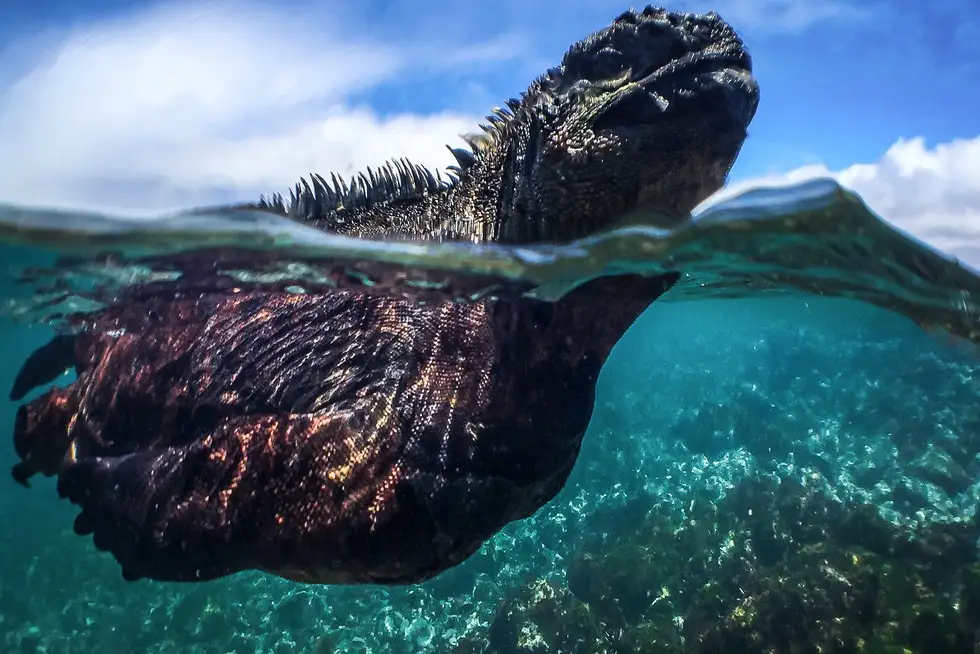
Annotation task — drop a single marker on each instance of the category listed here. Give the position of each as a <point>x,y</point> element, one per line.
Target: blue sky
<point>145,106</point>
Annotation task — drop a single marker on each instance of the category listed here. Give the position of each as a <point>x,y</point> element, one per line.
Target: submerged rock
<point>542,618</point>
<point>937,466</point>
<point>774,566</point>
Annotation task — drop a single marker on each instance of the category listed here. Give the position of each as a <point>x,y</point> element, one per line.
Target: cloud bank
<point>185,104</point>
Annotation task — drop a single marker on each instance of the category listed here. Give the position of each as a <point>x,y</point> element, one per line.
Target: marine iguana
<point>346,437</point>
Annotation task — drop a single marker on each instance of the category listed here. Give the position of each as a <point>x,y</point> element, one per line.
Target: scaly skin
<point>343,436</point>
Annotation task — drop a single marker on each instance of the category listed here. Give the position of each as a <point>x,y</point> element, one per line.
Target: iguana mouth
<point>698,63</point>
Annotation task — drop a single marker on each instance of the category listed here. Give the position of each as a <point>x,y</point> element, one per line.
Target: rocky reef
<point>776,566</point>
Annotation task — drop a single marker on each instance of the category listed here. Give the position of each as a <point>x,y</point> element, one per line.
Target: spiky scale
<point>464,158</point>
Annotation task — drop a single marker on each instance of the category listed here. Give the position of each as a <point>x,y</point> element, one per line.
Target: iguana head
<point>647,115</point>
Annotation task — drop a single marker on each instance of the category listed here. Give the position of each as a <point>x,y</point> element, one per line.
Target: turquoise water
<point>780,458</point>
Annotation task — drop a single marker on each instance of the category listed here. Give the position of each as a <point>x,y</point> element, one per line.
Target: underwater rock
<point>941,550</point>
<point>937,466</point>
<point>199,616</point>
<point>705,430</point>
<point>633,511</point>
<point>970,600</point>
<point>863,526</point>
<point>908,496</point>
<point>298,611</point>
<point>837,600</point>
<point>807,459</point>
<point>777,518</point>
<point>542,618</point>
<point>469,644</point>
<point>651,637</point>
<point>623,584</point>
<point>774,566</point>
<point>794,607</point>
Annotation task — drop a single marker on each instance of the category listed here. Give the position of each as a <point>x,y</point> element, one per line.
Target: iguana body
<point>345,437</point>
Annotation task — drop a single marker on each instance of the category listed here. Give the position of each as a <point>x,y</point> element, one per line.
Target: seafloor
<point>767,476</point>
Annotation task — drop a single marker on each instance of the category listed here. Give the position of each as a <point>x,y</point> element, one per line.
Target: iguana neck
<point>483,205</point>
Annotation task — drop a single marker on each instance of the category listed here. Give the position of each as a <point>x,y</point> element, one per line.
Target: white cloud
<point>200,102</point>
<point>931,193</point>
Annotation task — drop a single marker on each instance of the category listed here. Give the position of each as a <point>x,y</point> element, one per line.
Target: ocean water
<point>784,455</point>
